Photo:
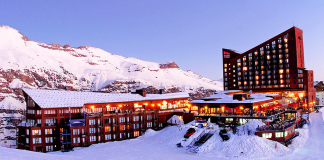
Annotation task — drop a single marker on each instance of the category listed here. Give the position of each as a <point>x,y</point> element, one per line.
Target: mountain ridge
<point>30,64</point>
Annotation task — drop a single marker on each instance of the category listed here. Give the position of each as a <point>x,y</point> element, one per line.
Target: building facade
<point>61,120</point>
<point>276,65</point>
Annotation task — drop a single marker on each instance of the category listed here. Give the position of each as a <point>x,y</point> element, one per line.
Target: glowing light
<point>120,105</point>
<point>145,104</point>
<point>152,105</point>
<point>164,103</point>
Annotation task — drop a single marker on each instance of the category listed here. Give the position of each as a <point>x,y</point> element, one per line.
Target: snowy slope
<point>25,63</point>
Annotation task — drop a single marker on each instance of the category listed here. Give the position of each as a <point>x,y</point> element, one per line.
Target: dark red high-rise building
<point>276,65</point>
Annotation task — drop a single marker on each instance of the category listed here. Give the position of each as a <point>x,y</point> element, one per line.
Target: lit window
<point>279,134</point>
<point>286,40</point>
<point>256,77</point>
<point>287,60</point>
<point>267,135</point>
<point>286,50</point>
<point>262,67</point>
<point>256,53</point>
<point>245,69</point>
<point>280,70</point>
<point>287,70</point>
<point>225,65</point>
<point>280,61</point>
<point>225,70</point>
<point>268,57</point>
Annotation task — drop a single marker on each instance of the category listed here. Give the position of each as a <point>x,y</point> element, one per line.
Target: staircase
<point>193,147</point>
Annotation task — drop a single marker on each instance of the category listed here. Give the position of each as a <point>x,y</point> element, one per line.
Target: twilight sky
<point>189,32</point>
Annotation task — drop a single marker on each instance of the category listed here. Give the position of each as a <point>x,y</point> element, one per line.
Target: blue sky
<point>190,33</point>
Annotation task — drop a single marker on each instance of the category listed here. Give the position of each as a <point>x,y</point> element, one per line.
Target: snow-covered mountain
<point>25,63</point>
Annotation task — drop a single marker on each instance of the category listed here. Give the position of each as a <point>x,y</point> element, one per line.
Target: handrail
<point>197,138</point>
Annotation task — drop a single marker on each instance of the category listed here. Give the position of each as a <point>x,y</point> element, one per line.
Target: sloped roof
<point>62,98</point>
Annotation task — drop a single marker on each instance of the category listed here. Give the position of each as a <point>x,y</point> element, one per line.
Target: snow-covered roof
<point>62,98</point>
<point>229,99</point>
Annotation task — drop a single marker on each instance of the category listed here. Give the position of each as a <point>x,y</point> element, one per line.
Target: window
<point>76,140</point>
<point>37,140</point>
<point>122,119</point>
<point>136,126</point>
<point>92,138</point>
<point>48,131</point>
<point>49,148</point>
<point>136,133</point>
<point>39,121</point>
<point>27,140</point>
<point>122,127</point>
<point>107,137</point>
<point>286,133</point>
<point>122,135</point>
<point>92,121</point>
<point>149,117</point>
<point>280,70</point>
<point>27,131</point>
<point>30,111</point>
<point>107,129</point>
<point>48,139</point>
<point>149,124</point>
<point>36,132</point>
<point>107,120</point>
<point>267,135</point>
<point>49,111</point>
<point>92,130</point>
<point>50,122</point>
<point>279,134</point>
<point>135,118</point>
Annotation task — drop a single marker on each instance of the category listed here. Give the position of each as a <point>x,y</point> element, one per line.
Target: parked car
<point>224,135</point>
<point>190,132</point>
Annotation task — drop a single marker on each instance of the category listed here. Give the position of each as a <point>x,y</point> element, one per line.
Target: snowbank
<point>243,147</point>
<point>251,125</point>
<point>301,139</point>
<point>149,132</point>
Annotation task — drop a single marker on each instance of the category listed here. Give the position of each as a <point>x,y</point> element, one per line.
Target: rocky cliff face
<point>29,64</point>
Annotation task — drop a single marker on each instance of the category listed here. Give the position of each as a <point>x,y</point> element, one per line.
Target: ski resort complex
<point>268,83</point>
<point>61,120</point>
